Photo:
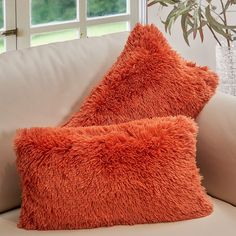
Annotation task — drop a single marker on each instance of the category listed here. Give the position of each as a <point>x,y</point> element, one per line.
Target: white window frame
<point>9,19</point>
<point>17,15</point>
<point>25,30</point>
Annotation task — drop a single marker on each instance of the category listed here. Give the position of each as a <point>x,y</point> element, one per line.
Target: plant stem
<point>212,31</point>
<point>225,21</point>
<point>218,15</point>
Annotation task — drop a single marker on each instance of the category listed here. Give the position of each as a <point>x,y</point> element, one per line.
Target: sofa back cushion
<point>216,147</point>
<point>41,86</point>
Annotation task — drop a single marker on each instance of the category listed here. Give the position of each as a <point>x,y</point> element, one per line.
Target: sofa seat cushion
<point>221,222</point>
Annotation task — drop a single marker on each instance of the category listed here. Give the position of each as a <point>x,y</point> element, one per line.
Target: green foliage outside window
<point>105,7</point>
<point>44,11</point>
<point>1,14</point>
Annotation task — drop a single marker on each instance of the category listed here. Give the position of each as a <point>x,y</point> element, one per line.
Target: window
<point>44,21</point>
<point>60,20</point>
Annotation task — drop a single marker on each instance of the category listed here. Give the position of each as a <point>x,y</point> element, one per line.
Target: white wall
<point>202,53</point>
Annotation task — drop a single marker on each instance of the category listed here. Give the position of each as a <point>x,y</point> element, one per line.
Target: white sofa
<point>42,86</point>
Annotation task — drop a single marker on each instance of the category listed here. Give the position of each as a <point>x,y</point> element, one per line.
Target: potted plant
<point>197,15</point>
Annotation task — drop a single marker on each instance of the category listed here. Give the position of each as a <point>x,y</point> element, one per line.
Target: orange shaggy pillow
<point>148,80</point>
<point>138,172</point>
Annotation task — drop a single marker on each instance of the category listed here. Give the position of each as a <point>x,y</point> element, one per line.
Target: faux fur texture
<point>148,80</point>
<point>138,172</point>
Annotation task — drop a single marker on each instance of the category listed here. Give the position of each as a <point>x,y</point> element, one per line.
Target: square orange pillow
<point>137,172</point>
<point>149,79</point>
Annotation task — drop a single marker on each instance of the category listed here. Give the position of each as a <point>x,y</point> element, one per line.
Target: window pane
<point>52,37</point>
<point>97,30</point>
<point>48,11</point>
<point>97,8</point>
<point>2,48</point>
<point>1,14</point>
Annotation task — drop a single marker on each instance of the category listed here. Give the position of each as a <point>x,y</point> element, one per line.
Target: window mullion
<point>10,23</point>
<point>133,7</point>
<point>108,19</point>
<point>45,28</point>
<point>23,23</point>
<point>82,17</point>
<point>143,12</point>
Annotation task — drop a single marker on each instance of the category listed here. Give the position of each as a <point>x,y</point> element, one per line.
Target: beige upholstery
<point>217,147</point>
<point>221,222</point>
<point>41,86</point>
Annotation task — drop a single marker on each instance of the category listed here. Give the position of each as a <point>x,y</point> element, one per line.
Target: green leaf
<point>179,10</point>
<point>169,18</point>
<point>195,23</point>
<point>184,10</point>
<point>190,23</point>
<point>149,4</point>
<point>162,2</point>
<point>200,16</point>
<point>184,26</point>
<point>170,25</point>
<point>220,31</point>
<point>212,21</point>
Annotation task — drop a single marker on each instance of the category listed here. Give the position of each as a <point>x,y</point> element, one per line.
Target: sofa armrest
<point>216,151</point>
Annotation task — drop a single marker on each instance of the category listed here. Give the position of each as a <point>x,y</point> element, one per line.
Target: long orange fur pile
<point>149,79</point>
<point>97,171</point>
<point>138,172</point>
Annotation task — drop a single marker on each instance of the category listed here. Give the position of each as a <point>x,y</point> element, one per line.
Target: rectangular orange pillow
<point>149,79</point>
<point>138,172</point>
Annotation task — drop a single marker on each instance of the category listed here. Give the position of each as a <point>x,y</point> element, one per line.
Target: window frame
<point>17,15</point>
<point>9,22</point>
<point>25,29</point>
